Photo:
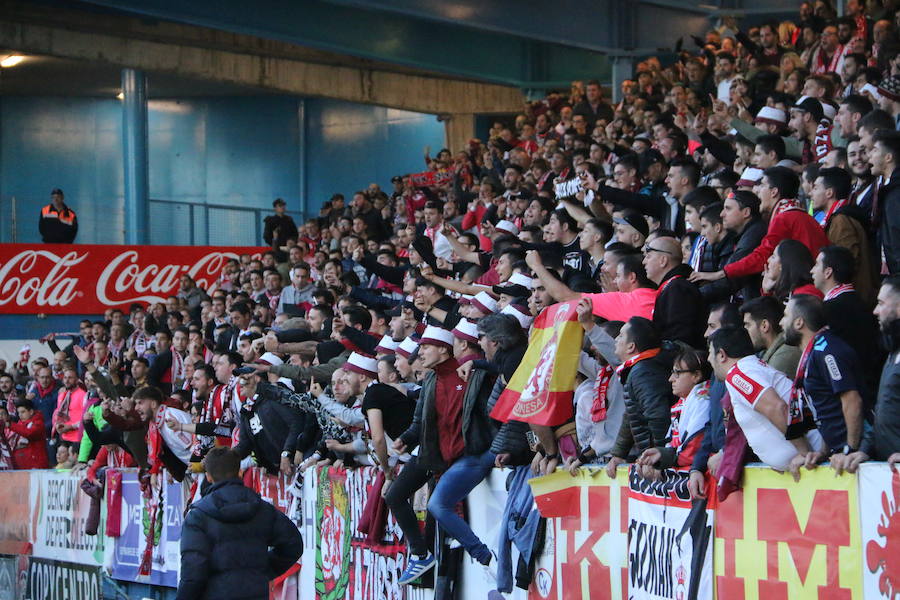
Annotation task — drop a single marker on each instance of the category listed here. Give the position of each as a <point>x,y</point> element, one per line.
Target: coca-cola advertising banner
<point>87,279</point>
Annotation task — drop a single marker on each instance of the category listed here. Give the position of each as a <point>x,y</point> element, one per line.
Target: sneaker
<point>416,567</point>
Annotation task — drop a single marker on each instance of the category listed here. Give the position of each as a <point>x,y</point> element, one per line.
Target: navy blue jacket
<point>233,543</point>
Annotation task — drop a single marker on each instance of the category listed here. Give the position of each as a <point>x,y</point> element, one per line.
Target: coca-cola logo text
<point>21,283</point>
<point>88,279</point>
<point>125,280</point>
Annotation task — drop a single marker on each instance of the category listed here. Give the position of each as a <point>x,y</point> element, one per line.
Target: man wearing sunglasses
<point>678,313</point>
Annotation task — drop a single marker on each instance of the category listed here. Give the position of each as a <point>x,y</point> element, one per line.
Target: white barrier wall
<point>824,537</point>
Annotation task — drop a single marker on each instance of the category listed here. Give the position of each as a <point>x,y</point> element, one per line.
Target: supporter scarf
<point>598,407</point>
<point>675,416</point>
<point>11,398</point>
<point>115,349</point>
<point>543,180</point>
<point>139,342</point>
<point>9,440</point>
<point>625,366</point>
<point>786,204</point>
<point>838,290</point>
<point>662,288</point>
<point>799,400</point>
<point>273,301</point>
<point>697,257</point>
<point>177,367</point>
<point>832,65</point>
<point>834,208</point>
<point>41,391</point>
<point>822,142</point>
<point>63,410</point>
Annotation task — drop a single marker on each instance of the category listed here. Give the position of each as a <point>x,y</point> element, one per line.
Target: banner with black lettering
<point>669,539</point>
<point>61,511</point>
<point>55,580</point>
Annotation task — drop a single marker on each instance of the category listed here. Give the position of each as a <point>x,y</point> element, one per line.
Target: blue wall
<point>235,152</point>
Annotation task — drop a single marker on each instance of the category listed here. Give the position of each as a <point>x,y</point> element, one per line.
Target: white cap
<point>829,110</point>
<point>362,365</point>
<point>750,177</point>
<point>507,226</point>
<point>483,302</point>
<point>518,312</point>
<point>407,347</point>
<point>270,359</point>
<point>770,114</point>
<point>466,330</point>
<point>519,279</point>
<point>437,336</point>
<point>387,345</point>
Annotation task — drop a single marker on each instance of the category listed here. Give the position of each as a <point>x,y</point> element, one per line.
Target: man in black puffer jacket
<point>233,542</point>
<point>644,371</point>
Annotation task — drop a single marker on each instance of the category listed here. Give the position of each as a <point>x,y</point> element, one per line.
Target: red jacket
<point>34,455</point>
<point>794,224</point>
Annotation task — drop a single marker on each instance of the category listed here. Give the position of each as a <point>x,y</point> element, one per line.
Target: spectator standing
<point>437,431</point>
<point>31,452</point>
<point>882,440</point>
<point>593,107</point>
<point>58,223</point>
<point>233,542</point>
<point>280,227</point>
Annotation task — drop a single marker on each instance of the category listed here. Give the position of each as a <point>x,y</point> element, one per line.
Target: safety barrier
<point>824,537</point>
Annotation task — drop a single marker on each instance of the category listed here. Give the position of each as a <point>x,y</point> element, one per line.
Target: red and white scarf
<point>115,348</point>
<point>799,402</point>
<point>139,341</point>
<point>598,407</point>
<point>831,67</point>
<point>786,204</point>
<point>838,290</point>
<point>155,441</point>
<point>620,370</point>
<point>177,367</point>
<point>838,205</point>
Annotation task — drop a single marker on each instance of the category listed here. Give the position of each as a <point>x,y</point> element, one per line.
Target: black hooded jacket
<point>233,543</point>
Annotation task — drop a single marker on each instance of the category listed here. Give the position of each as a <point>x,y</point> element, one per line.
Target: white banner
<point>670,540</point>
<point>879,495</point>
<point>62,509</point>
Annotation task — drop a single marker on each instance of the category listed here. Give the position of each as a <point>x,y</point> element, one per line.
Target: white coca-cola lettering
<point>211,266</point>
<point>124,280</point>
<point>52,289</point>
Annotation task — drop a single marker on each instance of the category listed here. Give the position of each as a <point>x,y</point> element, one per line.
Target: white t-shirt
<point>746,381</point>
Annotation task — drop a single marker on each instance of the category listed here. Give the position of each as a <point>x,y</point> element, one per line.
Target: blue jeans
<point>454,485</point>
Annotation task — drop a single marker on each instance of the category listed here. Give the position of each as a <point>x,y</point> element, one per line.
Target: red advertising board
<point>84,279</point>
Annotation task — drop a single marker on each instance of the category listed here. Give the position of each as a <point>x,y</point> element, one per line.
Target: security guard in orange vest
<point>58,224</point>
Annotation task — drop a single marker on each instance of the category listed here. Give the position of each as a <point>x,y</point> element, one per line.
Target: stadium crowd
<point>729,233</point>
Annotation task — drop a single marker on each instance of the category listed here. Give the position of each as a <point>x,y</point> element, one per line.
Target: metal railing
<point>185,223</point>
<point>172,222</point>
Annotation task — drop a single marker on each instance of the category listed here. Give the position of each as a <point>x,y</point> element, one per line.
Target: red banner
<point>86,279</point>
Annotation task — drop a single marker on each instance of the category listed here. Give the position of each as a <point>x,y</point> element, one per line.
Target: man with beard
<point>827,381</point>
<point>166,448</point>
<point>882,441</point>
<point>209,397</point>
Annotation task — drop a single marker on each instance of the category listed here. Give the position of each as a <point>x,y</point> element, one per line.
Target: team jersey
<point>829,372</point>
<point>747,381</point>
<point>689,417</point>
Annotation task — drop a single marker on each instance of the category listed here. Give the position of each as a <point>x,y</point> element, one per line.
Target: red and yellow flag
<point>542,388</point>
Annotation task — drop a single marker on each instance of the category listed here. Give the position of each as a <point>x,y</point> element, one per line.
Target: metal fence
<point>172,222</point>
<point>188,224</point>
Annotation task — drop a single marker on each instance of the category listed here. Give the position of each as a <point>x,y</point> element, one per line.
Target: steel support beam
<point>405,91</point>
<point>134,144</point>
